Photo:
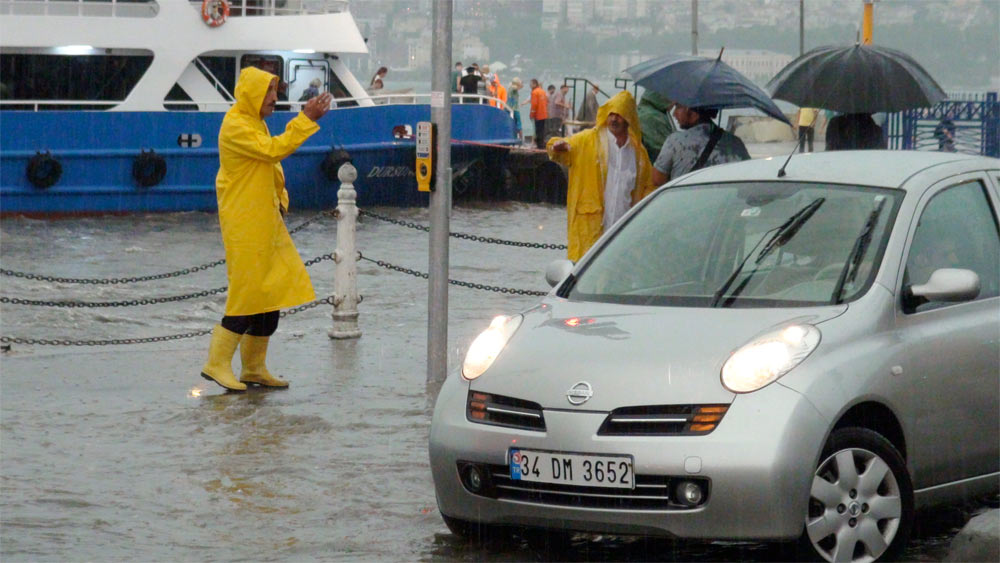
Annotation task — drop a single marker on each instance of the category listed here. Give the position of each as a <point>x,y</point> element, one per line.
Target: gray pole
<point>694,27</point>
<point>802,27</point>
<point>440,206</point>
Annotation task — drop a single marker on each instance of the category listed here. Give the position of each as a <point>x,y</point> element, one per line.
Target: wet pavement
<point>121,453</point>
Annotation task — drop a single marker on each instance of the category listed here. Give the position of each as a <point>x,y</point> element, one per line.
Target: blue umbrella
<point>702,82</point>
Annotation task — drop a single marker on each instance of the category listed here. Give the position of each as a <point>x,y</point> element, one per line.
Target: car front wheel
<point>861,499</point>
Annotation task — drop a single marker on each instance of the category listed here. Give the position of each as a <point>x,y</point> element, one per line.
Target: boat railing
<point>36,105</point>
<point>283,7</point>
<point>150,8</point>
<point>100,8</point>
<point>409,98</point>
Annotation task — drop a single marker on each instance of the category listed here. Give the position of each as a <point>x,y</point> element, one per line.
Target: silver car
<point>804,355</point>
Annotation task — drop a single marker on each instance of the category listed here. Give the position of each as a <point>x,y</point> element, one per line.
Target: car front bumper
<point>759,462</point>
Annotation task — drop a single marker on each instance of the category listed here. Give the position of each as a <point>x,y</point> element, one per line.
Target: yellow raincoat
<point>587,160</point>
<point>264,269</point>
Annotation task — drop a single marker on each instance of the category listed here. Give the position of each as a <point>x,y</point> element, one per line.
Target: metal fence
<point>970,125</point>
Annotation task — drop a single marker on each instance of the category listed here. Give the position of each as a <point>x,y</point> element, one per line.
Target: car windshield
<point>754,244</point>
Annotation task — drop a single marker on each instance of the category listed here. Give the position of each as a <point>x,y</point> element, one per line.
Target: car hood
<point>630,355</point>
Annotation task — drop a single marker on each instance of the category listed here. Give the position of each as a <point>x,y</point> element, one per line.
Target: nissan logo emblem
<point>579,393</point>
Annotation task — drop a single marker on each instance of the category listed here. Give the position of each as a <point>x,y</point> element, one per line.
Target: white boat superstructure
<point>302,36</point>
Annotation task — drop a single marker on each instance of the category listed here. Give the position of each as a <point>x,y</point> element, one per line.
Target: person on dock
<point>539,111</point>
<point>588,109</point>
<point>609,172</point>
<point>699,144</point>
<point>263,267</point>
<point>806,121</point>
<point>514,101</point>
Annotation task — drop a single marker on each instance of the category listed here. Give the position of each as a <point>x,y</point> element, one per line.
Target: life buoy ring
<point>214,12</point>
<point>43,170</point>
<point>332,163</point>
<point>149,168</point>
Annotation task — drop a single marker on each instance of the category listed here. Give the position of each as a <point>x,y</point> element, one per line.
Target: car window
<point>957,229</point>
<point>723,246</point>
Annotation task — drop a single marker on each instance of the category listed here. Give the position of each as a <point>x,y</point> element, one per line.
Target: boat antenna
<point>720,53</point>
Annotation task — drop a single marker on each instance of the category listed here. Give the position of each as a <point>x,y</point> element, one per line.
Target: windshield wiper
<point>851,267</point>
<point>782,234</point>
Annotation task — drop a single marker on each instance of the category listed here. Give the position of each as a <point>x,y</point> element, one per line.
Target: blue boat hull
<point>96,151</point>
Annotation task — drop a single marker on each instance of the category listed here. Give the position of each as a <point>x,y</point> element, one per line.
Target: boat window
<point>338,90</point>
<point>223,69</point>
<point>69,78</point>
<point>270,63</point>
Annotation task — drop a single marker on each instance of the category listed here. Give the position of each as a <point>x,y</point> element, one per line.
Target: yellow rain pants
<point>264,269</point>
<point>588,171</point>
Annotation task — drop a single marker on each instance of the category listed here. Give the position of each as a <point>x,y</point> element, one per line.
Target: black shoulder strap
<point>713,140</point>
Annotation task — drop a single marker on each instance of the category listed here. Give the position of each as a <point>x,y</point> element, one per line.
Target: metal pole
<point>867,22</point>
<point>440,204</point>
<point>802,27</point>
<point>694,27</point>
<point>345,277</point>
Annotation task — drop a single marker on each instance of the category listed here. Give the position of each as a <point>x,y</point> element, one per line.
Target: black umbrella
<point>702,82</point>
<point>856,79</point>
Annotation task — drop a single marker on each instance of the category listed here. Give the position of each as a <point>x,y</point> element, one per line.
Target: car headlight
<point>768,357</point>
<point>488,345</point>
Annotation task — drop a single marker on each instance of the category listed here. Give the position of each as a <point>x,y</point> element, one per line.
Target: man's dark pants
<point>540,133</point>
<point>805,134</point>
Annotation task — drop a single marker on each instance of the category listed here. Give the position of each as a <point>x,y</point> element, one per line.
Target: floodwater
<point>119,453</point>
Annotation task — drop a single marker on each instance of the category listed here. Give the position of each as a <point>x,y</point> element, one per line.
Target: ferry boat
<point>114,106</point>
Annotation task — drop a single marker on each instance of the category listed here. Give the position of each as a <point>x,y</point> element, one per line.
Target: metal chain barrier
<point>490,240</point>
<point>506,290</point>
<point>135,302</point>
<point>117,341</point>
<point>136,279</point>
<point>113,281</point>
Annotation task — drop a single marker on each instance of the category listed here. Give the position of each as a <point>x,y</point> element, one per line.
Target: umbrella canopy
<point>856,79</point>
<point>702,82</point>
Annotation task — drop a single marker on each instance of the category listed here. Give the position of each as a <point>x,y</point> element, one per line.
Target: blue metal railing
<point>974,117</point>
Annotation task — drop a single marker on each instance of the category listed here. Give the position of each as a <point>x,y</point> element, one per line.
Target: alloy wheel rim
<point>854,507</point>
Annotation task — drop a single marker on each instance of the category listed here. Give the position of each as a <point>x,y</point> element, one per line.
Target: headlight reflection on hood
<point>488,345</point>
<point>768,357</point>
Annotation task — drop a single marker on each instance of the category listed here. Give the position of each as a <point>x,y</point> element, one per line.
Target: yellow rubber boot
<point>219,367</point>
<point>253,352</point>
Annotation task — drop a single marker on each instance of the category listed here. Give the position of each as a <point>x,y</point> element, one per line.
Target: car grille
<point>662,420</point>
<point>651,492</point>
<point>487,408</point>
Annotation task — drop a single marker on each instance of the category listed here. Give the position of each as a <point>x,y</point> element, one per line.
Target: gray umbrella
<point>702,82</point>
<point>856,79</point>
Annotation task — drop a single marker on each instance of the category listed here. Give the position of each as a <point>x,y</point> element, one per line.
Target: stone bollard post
<point>345,282</point>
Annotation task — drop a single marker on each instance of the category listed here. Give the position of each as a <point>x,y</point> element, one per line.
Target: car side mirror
<point>945,284</point>
<point>557,270</point>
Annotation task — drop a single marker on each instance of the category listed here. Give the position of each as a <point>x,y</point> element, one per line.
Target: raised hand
<point>318,106</point>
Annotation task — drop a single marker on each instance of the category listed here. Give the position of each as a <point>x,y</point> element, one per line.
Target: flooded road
<point>118,453</point>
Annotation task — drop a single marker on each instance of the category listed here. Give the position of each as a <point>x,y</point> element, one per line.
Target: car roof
<point>882,168</point>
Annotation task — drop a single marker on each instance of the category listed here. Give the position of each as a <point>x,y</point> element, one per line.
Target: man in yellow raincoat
<point>609,172</point>
<point>264,269</point>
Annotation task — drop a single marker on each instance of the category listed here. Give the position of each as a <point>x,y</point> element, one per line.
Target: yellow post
<point>866,26</point>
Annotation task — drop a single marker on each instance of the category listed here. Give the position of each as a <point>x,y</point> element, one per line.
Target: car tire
<point>860,499</point>
<point>475,532</point>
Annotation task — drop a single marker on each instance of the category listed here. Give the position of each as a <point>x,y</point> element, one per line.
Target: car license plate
<point>589,470</point>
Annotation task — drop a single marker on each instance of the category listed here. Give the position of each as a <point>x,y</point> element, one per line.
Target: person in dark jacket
<point>853,131</point>
<point>470,84</point>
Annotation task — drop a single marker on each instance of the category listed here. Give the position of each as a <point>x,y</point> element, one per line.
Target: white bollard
<point>345,281</point>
